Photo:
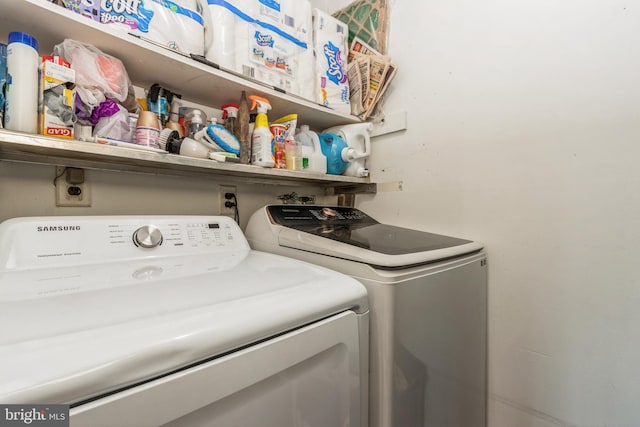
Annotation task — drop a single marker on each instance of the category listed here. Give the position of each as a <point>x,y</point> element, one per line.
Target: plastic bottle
<point>230,117</point>
<point>21,110</point>
<point>194,121</point>
<point>261,139</point>
<point>312,158</point>
<point>174,117</point>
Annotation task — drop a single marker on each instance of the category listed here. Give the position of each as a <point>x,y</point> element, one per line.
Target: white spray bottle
<point>261,139</point>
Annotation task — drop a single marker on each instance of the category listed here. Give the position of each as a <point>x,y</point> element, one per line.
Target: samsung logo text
<point>59,228</point>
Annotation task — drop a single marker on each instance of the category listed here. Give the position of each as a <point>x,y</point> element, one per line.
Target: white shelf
<point>147,63</point>
<point>17,146</point>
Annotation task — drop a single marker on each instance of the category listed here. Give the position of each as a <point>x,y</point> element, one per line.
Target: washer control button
<point>329,213</point>
<point>148,236</point>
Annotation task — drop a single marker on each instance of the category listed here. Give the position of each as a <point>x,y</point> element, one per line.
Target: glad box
<point>56,110</point>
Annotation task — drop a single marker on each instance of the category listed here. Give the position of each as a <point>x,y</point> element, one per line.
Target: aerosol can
<point>358,139</point>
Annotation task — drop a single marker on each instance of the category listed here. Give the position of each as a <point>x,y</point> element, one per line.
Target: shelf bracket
<point>351,189</point>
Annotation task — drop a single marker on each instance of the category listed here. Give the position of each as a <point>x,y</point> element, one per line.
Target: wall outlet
<point>72,188</point>
<point>223,201</point>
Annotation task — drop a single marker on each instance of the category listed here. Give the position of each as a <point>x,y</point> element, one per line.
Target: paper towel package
<point>330,44</point>
<point>176,24</point>
<point>266,40</point>
<point>304,31</point>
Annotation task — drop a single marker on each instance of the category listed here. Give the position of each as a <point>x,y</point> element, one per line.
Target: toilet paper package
<point>220,35</point>
<point>177,24</point>
<point>304,31</point>
<point>330,45</point>
<point>266,40</point>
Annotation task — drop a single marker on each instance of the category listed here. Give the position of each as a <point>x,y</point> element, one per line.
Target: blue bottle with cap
<point>21,109</point>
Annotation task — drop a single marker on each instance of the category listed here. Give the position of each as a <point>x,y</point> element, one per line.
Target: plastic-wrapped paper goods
<point>176,24</point>
<point>330,44</point>
<point>266,40</point>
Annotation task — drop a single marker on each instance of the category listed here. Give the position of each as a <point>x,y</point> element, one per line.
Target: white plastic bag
<point>95,69</point>
<point>115,127</point>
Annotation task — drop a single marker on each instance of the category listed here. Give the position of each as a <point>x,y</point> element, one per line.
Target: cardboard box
<point>56,108</point>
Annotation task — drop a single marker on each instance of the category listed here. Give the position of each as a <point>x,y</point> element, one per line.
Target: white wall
<point>28,190</point>
<point>524,133</point>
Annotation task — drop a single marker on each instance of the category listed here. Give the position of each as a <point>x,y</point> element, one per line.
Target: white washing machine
<point>175,321</point>
<point>428,302</point>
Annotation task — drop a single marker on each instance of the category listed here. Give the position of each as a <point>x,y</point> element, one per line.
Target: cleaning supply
<point>312,158</point>
<point>230,117</point>
<point>223,138</point>
<point>159,99</point>
<point>278,131</point>
<point>195,120</point>
<point>21,110</point>
<point>174,117</point>
<point>262,138</point>
<point>183,146</point>
<point>336,151</point>
<point>292,150</point>
<point>357,136</point>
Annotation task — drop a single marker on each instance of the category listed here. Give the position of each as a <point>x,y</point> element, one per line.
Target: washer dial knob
<point>147,236</point>
<point>329,213</point>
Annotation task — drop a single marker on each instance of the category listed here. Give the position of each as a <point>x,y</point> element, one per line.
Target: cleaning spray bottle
<point>262,139</point>
<point>230,117</point>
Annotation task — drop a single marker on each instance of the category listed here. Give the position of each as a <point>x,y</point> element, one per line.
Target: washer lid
<point>351,234</point>
<point>73,333</point>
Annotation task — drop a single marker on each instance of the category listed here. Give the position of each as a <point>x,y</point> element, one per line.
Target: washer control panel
<point>51,241</point>
<point>292,215</point>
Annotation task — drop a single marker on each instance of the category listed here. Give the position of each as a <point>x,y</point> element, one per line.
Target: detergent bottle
<point>336,151</point>
<point>357,137</point>
<point>312,158</point>
<point>262,138</point>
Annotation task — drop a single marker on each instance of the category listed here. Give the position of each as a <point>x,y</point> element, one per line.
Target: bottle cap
<point>24,38</point>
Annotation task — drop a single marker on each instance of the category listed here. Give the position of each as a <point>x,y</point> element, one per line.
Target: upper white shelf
<point>147,63</point>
